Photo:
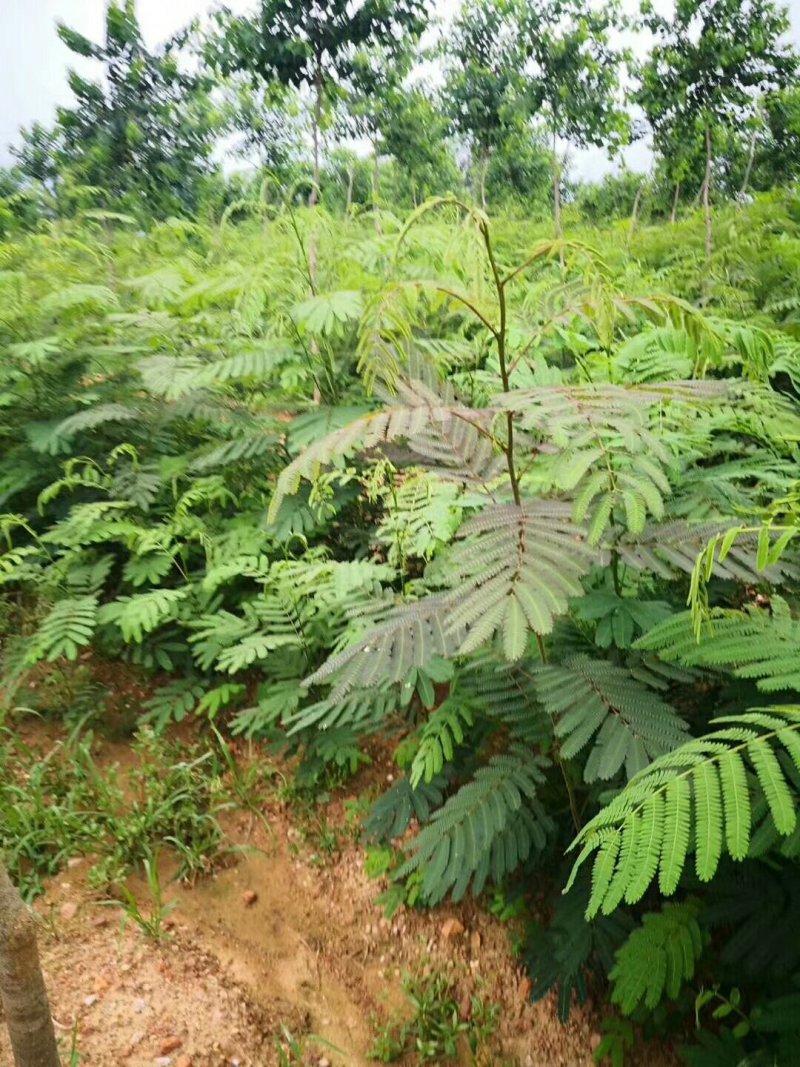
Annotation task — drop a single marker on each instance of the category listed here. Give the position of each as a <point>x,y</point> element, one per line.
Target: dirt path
<point>286,946</point>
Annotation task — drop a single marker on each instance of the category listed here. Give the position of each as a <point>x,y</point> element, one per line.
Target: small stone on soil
<point>69,910</point>
<point>249,897</point>
<point>170,1044</point>
<point>452,928</point>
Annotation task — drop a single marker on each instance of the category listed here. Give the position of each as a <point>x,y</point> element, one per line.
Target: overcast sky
<point>33,62</point>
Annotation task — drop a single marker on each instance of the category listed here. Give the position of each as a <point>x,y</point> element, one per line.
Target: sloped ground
<point>286,948</point>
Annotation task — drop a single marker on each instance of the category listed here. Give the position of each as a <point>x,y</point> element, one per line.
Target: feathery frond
<point>758,643</point>
<point>594,700</point>
<point>700,793</point>
<point>488,827</point>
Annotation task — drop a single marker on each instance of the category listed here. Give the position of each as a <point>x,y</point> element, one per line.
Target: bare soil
<point>286,944</point>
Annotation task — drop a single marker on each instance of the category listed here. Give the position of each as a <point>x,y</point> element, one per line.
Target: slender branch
<point>500,337</point>
<point>467,303</point>
<point>573,805</point>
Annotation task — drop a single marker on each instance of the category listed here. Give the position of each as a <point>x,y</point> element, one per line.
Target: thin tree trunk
<point>635,212</point>
<point>313,269</point>
<point>314,195</point>
<point>557,199</point>
<point>674,213</point>
<point>374,180</point>
<point>484,169</point>
<point>350,177</point>
<point>557,191</point>
<point>749,169</point>
<point>707,194</point>
<point>22,991</point>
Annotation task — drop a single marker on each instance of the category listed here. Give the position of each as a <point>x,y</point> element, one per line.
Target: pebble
<point>170,1044</point>
<point>90,1000</point>
<point>183,1061</point>
<point>163,1061</point>
<point>249,897</point>
<point>452,928</point>
<point>139,1006</point>
<point>69,910</point>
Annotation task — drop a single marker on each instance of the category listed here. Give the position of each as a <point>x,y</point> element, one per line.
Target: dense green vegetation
<point>522,509</point>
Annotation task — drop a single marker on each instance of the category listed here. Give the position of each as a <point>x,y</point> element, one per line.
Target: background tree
<point>37,154</point>
<point>312,45</point>
<point>520,168</point>
<point>777,148</point>
<point>144,133</point>
<point>612,198</point>
<point>377,86</point>
<point>264,118</point>
<point>415,133</point>
<point>482,87</point>
<point>403,121</point>
<point>572,76</point>
<point>709,64</point>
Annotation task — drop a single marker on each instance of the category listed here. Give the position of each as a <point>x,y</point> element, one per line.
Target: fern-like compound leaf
<point>753,643</point>
<point>417,420</point>
<point>68,627</point>
<point>676,835</point>
<point>782,804</point>
<point>702,786</point>
<point>409,637</point>
<point>488,827</point>
<point>671,548</point>
<point>139,615</point>
<point>442,733</point>
<point>736,801</point>
<point>513,572</point>
<point>594,699</point>
<point>708,820</point>
<point>658,957</point>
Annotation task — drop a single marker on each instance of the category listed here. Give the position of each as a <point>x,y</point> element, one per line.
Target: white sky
<point>33,61</point>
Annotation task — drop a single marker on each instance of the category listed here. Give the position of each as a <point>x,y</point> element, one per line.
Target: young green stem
<point>500,338</point>
<point>573,804</point>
